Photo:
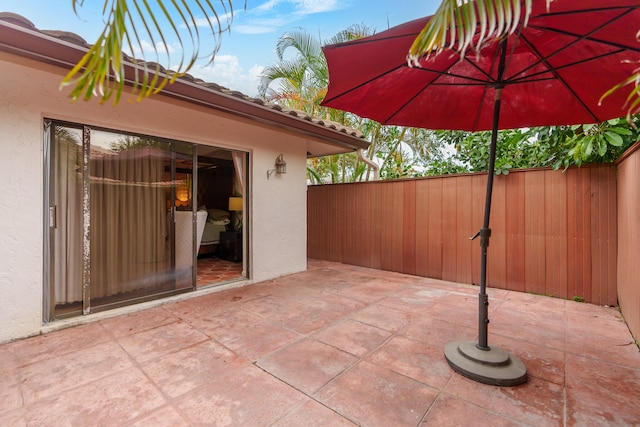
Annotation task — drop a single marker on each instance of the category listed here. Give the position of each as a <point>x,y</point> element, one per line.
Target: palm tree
<point>100,72</point>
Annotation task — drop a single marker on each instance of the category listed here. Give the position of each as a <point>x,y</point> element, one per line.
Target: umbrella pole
<point>478,361</point>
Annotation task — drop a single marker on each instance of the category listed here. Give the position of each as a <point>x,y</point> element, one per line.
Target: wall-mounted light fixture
<point>281,167</point>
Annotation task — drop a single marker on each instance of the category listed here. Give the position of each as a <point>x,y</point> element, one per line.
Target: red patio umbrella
<point>552,72</point>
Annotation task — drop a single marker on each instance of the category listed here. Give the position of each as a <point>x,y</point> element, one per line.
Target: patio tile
<point>458,308</point>
<point>113,400</point>
<point>387,318</point>
<point>353,337</point>
<point>373,396</point>
<point>245,396</point>
<point>8,357</point>
<point>371,291</point>
<point>449,411</point>
<point>185,370</point>
<point>54,376</point>
<point>313,414</point>
<point>10,393</point>
<point>148,345</point>
<point>587,404</point>
<point>536,403</point>
<point>258,340</point>
<point>541,362</point>
<point>121,326</point>
<point>533,327</point>
<point>307,365</point>
<point>216,323</point>
<point>57,343</point>
<point>14,418</point>
<point>313,316</point>
<point>437,332</point>
<point>165,416</point>
<point>417,360</point>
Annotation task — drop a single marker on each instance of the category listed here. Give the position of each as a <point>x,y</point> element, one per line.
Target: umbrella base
<point>494,366</point>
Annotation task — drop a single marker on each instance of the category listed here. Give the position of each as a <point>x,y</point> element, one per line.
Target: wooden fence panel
<point>534,232</point>
<point>515,211</point>
<point>579,234</point>
<point>553,233</point>
<point>464,229</point>
<point>497,251</point>
<point>628,220</point>
<point>556,234</point>
<point>409,228</point>
<point>436,234</point>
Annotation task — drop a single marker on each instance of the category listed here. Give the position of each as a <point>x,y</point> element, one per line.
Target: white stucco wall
<point>277,216</point>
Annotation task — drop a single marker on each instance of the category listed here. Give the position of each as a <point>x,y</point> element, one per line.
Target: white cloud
<point>274,14</point>
<point>226,71</point>
<point>308,7</point>
<point>146,47</point>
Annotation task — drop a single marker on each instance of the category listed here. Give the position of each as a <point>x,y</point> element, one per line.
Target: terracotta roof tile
<point>77,40</point>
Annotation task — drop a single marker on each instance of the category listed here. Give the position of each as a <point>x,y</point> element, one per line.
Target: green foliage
<point>557,147</point>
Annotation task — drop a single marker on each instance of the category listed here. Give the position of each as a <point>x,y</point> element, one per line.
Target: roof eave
<point>44,48</point>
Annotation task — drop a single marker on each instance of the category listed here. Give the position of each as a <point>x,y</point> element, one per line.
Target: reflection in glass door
<point>133,218</point>
<point>120,219</point>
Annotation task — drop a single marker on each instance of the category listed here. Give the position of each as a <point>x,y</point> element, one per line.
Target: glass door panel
<point>133,191</point>
<point>65,222</point>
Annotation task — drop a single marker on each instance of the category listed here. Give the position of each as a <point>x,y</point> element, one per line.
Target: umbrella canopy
<point>551,72</point>
<point>556,70</point>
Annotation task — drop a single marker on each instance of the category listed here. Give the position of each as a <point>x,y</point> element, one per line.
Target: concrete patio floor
<point>337,345</point>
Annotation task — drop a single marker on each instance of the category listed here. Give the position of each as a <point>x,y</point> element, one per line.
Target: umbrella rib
<point>578,38</point>
<point>327,100</point>
<point>532,77</point>
<point>590,10</point>
<point>586,37</point>
<point>561,80</point>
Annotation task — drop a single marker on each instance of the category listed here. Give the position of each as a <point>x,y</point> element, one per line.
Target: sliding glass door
<point>132,218</point>
<point>112,203</point>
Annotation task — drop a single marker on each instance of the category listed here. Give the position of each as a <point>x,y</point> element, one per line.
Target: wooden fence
<point>553,232</point>
<point>629,238</point>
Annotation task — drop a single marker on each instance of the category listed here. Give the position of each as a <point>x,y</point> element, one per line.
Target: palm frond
<point>633,99</point>
<point>469,24</point>
<point>132,25</point>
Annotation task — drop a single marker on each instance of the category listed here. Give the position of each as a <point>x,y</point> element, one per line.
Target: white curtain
<point>128,222</point>
<point>238,165</point>
<point>68,212</point>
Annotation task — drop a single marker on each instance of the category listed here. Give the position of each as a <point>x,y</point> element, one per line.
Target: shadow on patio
<point>336,345</point>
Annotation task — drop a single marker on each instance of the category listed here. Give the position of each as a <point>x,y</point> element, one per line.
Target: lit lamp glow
<point>235,205</point>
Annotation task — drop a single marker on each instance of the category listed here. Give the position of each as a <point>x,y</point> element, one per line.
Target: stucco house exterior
<point>112,209</point>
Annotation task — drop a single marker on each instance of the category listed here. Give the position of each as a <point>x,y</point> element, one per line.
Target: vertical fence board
<point>515,232</point>
<point>478,197</point>
<point>579,254</point>
<point>391,202</point>
<point>603,253</point>
<point>464,229</point>
<point>449,230</point>
<point>556,234</point>
<point>422,240</point>
<point>497,251</point>
<point>376,213</point>
<point>436,247</point>
<point>409,228</point>
<point>534,220</point>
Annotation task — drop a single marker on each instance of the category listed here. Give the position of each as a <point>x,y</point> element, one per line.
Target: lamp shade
<point>235,203</point>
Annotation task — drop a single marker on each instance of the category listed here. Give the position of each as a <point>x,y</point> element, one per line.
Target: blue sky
<point>254,32</point>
